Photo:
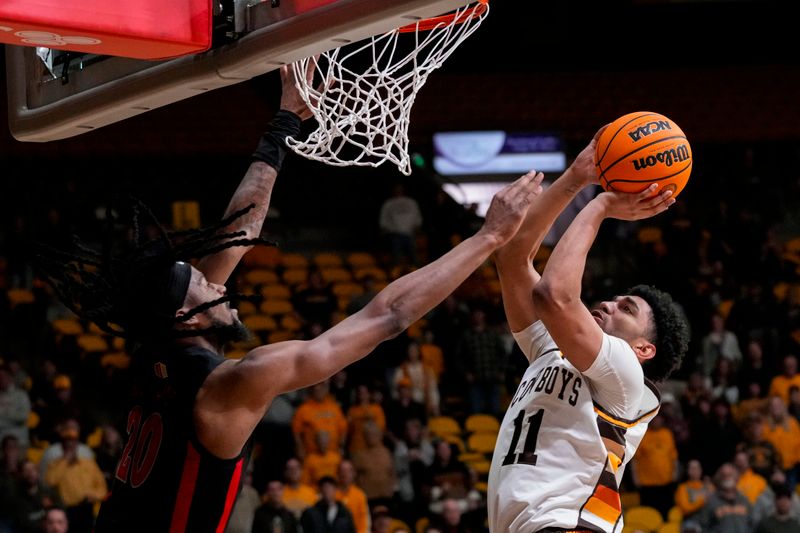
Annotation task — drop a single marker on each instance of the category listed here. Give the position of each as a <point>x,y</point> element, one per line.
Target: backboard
<point>101,90</point>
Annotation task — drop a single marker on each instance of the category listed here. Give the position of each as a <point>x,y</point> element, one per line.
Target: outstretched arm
<point>256,186</point>
<point>558,295</point>
<point>515,260</point>
<point>237,393</point>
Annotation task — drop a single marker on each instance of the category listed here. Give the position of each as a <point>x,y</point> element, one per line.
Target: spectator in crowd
<point>56,521</point>
<point>79,482</point>
<point>750,484</point>
<point>365,410</point>
<point>783,432</point>
<point>751,404</point>
<point>781,521</point>
<point>424,387</point>
<point>695,391</point>
<point>447,478</point>
<point>32,499</point>
<point>451,519</point>
<point>723,381</point>
<point>794,402</point>
<point>15,407</point>
<point>483,356</point>
<point>727,510</point>
<point>324,462</point>
<point>718,344</point>
<point>297,496</point>
<point>691,495</point>
<point>319,412</point>
<point>353,497</point>
<point>754,369</point>
<point>375,468</point>
<point>763,456</point>
<point>766,502</point>
<point>244,510</point>
<point>273,516</point>
<point>789,378</point>
<point>327,515</point>
<point>276,429</point>
<point>381,520</point>
<point>432,355</point>
<point>56,450</point>
<point>63,407</point>
<point>316,303</point>
<point>109,452</point>
<point>412,455</point>
<point>400,219</point>
<point>400,411</point>
<point>9,472</point>
<point>447,322</point>
<point>655,466</point>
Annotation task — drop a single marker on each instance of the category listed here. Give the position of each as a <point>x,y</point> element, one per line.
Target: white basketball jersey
<point>566,438</point>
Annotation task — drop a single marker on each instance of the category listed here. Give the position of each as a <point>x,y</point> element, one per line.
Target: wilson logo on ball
<point>649,128</point>
<point>667,157</point>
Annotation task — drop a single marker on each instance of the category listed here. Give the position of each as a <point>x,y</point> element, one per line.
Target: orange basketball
<point>643,148</point>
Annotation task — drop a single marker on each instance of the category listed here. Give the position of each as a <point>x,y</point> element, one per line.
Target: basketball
<point>642,148</point>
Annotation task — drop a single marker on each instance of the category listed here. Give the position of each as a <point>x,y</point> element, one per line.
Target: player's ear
<point>190,322</point>
<point>645,350</point>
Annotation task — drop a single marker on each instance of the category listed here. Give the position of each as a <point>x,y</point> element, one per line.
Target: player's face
<point>626,317</point>
<point>201,291</point>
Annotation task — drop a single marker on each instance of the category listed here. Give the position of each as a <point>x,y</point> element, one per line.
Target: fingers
<point>600,132</point>
<point>647,193</point>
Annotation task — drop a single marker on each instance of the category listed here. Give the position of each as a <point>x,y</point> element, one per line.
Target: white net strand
<point>363,117</point>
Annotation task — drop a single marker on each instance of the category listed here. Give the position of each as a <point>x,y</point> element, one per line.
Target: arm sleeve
<point>534,341</point>
<point>616,378</point>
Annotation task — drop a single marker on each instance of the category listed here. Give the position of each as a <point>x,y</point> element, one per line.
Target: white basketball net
<point>363,117</point>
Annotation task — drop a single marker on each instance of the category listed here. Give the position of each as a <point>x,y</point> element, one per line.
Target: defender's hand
<point>509,206</point>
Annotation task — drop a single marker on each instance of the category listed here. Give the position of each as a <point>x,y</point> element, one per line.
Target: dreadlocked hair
<point>669,332</point>
<point>117,289</point>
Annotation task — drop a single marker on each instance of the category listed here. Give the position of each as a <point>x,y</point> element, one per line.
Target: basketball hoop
<point>363,115</point>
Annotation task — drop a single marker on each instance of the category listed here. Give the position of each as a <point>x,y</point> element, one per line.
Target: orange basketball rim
<point>446,20</point>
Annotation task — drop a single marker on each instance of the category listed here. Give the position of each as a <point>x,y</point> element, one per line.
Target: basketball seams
<point>642,148</point>
<point>688,165</point>
<point>611,140</point>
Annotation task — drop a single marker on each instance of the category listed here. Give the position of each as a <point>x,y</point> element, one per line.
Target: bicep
<point>573,329</point>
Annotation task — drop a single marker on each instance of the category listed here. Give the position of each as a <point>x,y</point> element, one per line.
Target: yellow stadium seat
<point>482,423</point>
<point>276,307</point>
<point>399,525</point>
<point>247,308</point>
<point>644,518</point>
<point>675,515</point>
<point>119,360</point>
<point>792,245</point>
<point>280,336</point>
<point>480,467</point>
<point>471,457</point>
<point>482,486</point>
<point>92,343</point>
<point>290,323</point>
<point>118,344</point>
<point>335,274</point>
<point>294,261</point>
<point>670,527</point>
<point>20,296</point>
<point>94,329</point>
<point>361,260</point>
<point>276,292</point>
<point>347,289</point>
<point>260,323</point>
<point>33,420</point>
<point>649,235</point>
<point>34,455</point>
<point>295,276</point>
<point>724,308</point>
<point>375,272</point>
<point>67,327</point>
<point>456,441</point>
<point>262,257</point>
<point>260,277</point>
<point>443,425</point>
<point>327,259</point>
<point>95,438</point>
<point>421,524</point>
<point>185,215</point>
<point>482,442</point>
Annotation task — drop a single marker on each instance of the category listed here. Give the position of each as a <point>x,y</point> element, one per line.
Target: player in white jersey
<point>585,400</point>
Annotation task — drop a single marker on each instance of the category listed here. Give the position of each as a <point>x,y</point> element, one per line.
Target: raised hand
<point>635,206</point>
<point>509,206</point>
<point>585,165</point>
<point>291,100</point>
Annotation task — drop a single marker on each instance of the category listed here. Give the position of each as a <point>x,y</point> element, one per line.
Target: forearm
<point>541,215</point>
<point>255,188</point>
<point>564,273</point>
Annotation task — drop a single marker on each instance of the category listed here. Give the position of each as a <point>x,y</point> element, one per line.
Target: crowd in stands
<point>401,440</point>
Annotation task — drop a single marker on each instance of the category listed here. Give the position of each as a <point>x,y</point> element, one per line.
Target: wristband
<point>272,146</point>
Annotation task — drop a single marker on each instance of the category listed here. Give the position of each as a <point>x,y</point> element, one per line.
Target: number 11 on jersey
<point>528,454</point>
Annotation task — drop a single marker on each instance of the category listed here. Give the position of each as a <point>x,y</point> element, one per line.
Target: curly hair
<point>669,332</point>
<point>122,288</point>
